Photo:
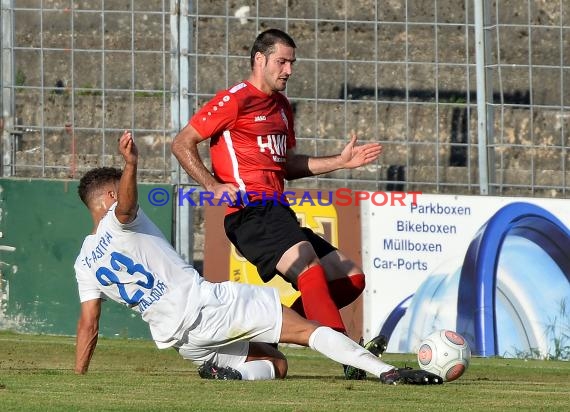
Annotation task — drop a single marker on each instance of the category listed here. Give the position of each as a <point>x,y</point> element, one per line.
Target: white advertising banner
<point>494,269</point>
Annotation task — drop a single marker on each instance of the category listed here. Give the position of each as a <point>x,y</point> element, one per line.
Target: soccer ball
<point>445,353</point>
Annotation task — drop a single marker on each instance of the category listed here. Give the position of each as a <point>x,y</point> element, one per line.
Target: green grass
<point>36,374</point>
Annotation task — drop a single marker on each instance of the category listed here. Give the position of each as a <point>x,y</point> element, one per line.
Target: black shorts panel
<point>262,233</point>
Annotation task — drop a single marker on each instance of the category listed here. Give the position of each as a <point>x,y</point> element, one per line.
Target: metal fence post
<point>6,84</point>
<point>484,91</point>
<point>180,41</point>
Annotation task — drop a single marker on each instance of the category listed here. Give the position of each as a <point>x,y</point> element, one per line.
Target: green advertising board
<point>43,224</point>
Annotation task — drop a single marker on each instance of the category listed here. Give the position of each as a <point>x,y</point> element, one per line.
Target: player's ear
<point>260,57</point>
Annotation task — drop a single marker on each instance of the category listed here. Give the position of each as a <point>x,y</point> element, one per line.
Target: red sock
<point>345,290</point>
<point>317,301</point>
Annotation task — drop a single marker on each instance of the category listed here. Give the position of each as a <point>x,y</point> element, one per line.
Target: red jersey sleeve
<point>215,116</point>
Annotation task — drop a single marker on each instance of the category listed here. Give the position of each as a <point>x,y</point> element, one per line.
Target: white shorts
<point>232,315</point>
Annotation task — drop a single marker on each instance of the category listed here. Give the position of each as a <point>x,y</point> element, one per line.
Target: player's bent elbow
<point>175,147</point>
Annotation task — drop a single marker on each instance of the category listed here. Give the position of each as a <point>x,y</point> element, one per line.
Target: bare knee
<point>296,260</point>
<point>261,350</point>
<point>281,367</point>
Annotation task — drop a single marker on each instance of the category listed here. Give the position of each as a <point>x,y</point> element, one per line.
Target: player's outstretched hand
<point>410,376</point>
<point>353,155</point>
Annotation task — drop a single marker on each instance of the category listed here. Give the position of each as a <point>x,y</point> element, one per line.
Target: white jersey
<point>135,265</point>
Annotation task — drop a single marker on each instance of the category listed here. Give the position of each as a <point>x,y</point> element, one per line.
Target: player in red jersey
<point>252,145</point>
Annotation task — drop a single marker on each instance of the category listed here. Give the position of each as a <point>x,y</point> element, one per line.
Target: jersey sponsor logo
<point>276,144</point>
<point>259,118</point>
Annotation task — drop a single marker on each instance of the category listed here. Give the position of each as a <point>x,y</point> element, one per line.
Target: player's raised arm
<point>185,149</point>
<point>87,334</point>
<point>127,203</point>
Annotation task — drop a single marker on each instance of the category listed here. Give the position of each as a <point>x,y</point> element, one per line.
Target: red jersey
<point>250,133</point>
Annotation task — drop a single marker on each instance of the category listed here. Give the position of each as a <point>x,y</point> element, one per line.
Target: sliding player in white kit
<point>223,327</point>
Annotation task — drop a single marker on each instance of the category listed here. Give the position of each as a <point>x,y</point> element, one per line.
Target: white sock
<point>342,349</point>
<point>257,370</point>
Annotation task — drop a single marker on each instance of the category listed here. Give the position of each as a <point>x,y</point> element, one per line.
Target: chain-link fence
<point>77,73</point>
<point>467,96</point>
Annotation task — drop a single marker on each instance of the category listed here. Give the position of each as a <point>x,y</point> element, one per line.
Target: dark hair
<point>266,41</point>
<point>95,179</point>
